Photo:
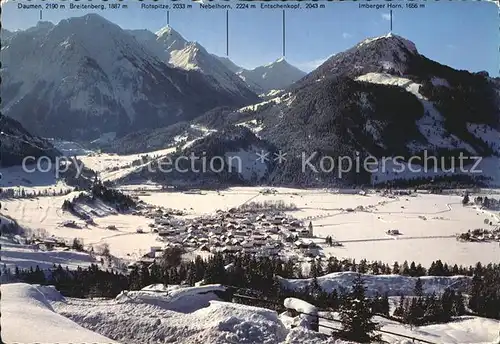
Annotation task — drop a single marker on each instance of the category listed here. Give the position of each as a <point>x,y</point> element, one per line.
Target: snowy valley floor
<point>428,223</point>
<point>47,317</point>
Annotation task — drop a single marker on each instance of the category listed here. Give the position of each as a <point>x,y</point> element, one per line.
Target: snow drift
<point>308,314</point>
<point>148,323</point>
<point>173,297</point>
<point>28,317</point>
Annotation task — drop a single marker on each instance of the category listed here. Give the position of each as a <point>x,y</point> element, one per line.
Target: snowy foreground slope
<point>144,321</point>
<point>28,317</point>
<point>137,322</point>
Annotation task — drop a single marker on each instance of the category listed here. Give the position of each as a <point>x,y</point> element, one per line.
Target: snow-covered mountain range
<point>273,76</point>
<point>276,75</point>
<point>381,98</point>
<point>86,76</point>
<point>142,81</point>
<point>171,47</point>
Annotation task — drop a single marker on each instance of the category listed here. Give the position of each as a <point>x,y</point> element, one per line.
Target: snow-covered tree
<point>356,315</point>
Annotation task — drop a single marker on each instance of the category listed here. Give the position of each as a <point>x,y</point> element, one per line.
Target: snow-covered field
<point>428,223</point>
<point>46,213</point>
<point>50,318</point>
<point>17,176</point>
<point>205,203</point>
<point>24,256</point>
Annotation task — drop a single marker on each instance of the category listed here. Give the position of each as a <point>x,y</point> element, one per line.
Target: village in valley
<point>267,228</point>
<point>250,230</point>
<point>262,234</point>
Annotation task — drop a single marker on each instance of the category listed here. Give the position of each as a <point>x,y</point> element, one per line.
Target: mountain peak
<point>278,62</point>
<point>90,21</point>
<point>171,39</point>
<point>273,76</point>
<point>389,53</point>
<point>109,77</point>
<point>391,39</point>
<point>168,31</point>
<point>89,18</point>
<point>44,24</point>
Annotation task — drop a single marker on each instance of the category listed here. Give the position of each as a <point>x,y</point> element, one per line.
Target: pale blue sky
<point>463,35</point>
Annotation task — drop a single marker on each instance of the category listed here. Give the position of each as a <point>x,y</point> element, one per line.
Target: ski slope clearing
<point>25,256</point>
<point>112,166</point>
<point>487,134</point>
<point>394,285</point>
<point>28,317</point>
<point>431,124</point>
